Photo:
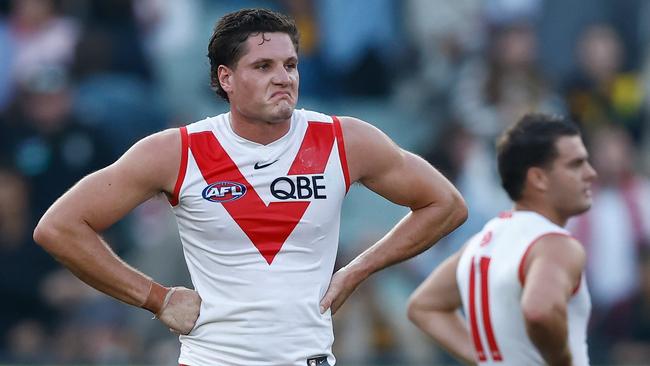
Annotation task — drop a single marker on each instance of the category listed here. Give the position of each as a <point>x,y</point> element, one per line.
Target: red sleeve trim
<point>575,290</point>
<point>173,200</point>
<point>338,132</point>
<point>522,262</point>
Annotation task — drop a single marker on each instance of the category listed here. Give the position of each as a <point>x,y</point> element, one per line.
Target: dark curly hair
<point>529,143</point>
<point>226,45</point>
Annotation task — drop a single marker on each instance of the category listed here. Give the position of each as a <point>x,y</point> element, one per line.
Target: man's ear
<point>537,178</point>
<point>224,73</point>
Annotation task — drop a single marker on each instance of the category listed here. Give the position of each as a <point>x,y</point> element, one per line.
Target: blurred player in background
<point>520,279</point>
<point>257,193</point>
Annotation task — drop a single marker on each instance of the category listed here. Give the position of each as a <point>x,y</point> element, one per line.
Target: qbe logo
<point>299,187</point>
<point>224,191</point>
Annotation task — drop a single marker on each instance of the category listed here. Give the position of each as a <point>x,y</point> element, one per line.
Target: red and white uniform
<point>490,278</point>
<point>259,226</point>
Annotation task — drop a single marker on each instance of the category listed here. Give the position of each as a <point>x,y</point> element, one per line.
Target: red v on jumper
<point>267,226</point>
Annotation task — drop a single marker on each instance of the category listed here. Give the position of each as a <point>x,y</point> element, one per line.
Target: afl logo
<point>224,191</point>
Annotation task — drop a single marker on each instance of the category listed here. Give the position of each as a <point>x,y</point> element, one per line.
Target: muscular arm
<point>552,270</point>
<point>434,308</point>
<point>436,206</point>
<point>69,229</point>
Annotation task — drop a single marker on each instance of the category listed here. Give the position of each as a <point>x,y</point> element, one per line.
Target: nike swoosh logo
<point>260,166</point>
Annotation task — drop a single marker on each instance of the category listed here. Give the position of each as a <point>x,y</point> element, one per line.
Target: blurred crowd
<point>82,80</point>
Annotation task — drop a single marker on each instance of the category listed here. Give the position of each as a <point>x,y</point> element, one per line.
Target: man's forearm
<point>87,256</point>
<point>416,232</point>
<point>448,330</point>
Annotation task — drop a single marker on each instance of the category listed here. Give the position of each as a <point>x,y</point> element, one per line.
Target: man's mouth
<point>281,94</point>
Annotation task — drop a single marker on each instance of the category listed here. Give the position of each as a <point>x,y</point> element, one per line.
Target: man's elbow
<point>540,314</point>
<point>414,310</point>
<point>456,208</point>
<point>46,234</point>
<point>419,311</point>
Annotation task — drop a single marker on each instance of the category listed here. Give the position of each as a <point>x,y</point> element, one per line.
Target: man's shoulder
<point>204,123</point>
<point>160,143</point>
<point>313,116</point>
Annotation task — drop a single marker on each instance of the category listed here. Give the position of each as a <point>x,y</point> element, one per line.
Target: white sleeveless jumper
<point>490,278</point>
<point>259,226</point>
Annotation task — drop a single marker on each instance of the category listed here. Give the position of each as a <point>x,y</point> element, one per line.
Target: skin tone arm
<point>552,270</point>
<point>436,206</point>
<point>69,229</point>
<point>434,308</point>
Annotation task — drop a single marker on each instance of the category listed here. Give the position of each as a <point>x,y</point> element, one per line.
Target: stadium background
<point>81,80</point>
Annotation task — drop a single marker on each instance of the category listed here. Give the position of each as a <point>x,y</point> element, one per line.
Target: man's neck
<point>552,215</point>
<point>258,131</point>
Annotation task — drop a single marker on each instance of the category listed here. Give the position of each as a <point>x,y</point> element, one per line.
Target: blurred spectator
<point>441,35</point>
<point>115,90</point>
<point>40,36</point>
<point>493,93</point>
<point>7,52</point>
<point>600,93</point>
<point>614,241</point>
<point>313,80</point>
<point>119,103</point>
<point>615,231</point>
<point>44,141</point>
<point>91,328</point>
<point>629,323</point>
<point>559,26</point>
<point>27,343</point>
<point>23,267</point>
<point>173,34</point>
<point>508,11</point>
<point>116,20</point>
<point>359,42</point>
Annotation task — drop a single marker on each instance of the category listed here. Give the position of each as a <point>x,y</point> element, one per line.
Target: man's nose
<point>591,172</point>
<point>281,76</point>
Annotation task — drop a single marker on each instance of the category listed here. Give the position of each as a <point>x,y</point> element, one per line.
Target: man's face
<point>263,85</point>
<point>570,177</point>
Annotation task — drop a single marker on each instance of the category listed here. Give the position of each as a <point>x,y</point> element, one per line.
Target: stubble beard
<point>281,112</point>
<point>581,208</point>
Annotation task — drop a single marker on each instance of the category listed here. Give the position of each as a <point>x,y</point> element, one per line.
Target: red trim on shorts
<point>338,132</point>
<point>522,278</point>
<point>173,200</point>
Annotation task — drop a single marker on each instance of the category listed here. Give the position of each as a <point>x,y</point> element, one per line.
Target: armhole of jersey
<point>173,200</point>
<point>575,290</point>
<point>522,262</point>
<point>338,132</point>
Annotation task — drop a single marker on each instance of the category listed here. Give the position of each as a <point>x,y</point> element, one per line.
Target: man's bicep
<point>103,197</point>
<point>555,267</point>
<point>396,174</point>
<point>106,196</point>
<point>410,181</point>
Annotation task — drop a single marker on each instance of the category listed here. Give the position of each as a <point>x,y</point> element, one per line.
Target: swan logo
<point>224,191</point>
